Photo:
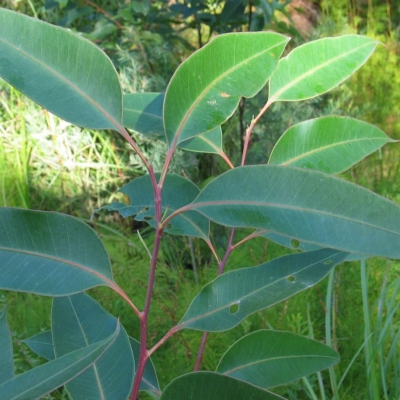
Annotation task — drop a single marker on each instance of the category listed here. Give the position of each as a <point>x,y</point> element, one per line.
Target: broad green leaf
<point>328,144</point>
<point>42,345</point>
<point>79,321</point>
<point>208,142</point>
<point>42,380</point>
<point>149,380</point>
<point>231,297</point>
<point>61,71</point>
<point>213,386</point>
<point>317,67</point>
<point>272,358</point>
<point>49,253</point>
<point>304,205</point>
<point>143,113</point>
<point>6,349</point>
<point>177,192</point>
<point>206,88</point>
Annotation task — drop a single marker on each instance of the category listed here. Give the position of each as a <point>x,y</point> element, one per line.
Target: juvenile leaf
<point>42,345</point>
<point>208,142</point>
<point>328,144</point>
<point>177,192</point>
<point>143,113</point>
<point>49,253</point>
<point>61,71</point>
<point>304,205</point>
<point>42,380</point>
<point>6,349</point>
<point>79,321</point>
<point>230,298</point>
<point>271,358</point>
<point>149,379</point>
<point>213,386</point>
<point>206,88</point>
<point>319,66</point>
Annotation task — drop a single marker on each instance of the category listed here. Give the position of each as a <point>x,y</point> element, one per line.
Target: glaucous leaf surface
<point>42,345</point>
<point>143,113</point>
<point>206,88</point>
<point>231,297</point>
<point>304,205</point>
<point>42,380</point>
<point>79,321</point>
<point>149,380</point>
<point>50,254</point>
<point>213,386</point>
<point>6,349</point>
<point>61,71</point>
<point>329,144</point>
<point>319,66</point>
<point>270,358</point>
<point>208,142</point>
<point>177,192</point>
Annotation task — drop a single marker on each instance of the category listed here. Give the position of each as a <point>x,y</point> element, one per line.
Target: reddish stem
<point>201,351</point>
<point>221,268</point>
<point>250,130</point>
<point>144,354</point>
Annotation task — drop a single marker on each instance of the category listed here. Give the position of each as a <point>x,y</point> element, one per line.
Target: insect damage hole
<point>234,308</point>
<point>291,278</point>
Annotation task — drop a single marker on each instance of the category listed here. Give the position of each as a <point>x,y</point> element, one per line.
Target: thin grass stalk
<point>371,379</point>
<point>329,318</point>
<point>309,388</point>
<point>311,333</point>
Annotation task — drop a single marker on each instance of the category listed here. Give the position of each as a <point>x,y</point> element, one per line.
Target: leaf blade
<point>61,71</point>
<point>6,349</point>
<point>305,205</point>
<point>177,192</point>
<point>42,380</point>
<point>304,73</point>
<point>269,358</point>
<point>207,142</point>
<point>42,345</point>
<point>49,253</point>
<point>229,67</point>
<point>213,386</point>
<point>329,144</point>
<point>143,113</point>
<point>230,298</point>
<point>75,324</point>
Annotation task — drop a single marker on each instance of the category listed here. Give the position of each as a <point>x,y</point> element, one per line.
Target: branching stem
<point>249,130</point>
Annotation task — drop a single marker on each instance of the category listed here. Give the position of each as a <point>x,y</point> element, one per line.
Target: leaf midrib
<point>274,359</point>
<point>195,206</point>
<point>59,260</point>
<point>332,145</point>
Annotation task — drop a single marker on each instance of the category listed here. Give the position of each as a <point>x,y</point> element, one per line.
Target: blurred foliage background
<point>48,164</point>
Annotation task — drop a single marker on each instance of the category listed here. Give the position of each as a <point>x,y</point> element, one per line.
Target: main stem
<point>144,354</point>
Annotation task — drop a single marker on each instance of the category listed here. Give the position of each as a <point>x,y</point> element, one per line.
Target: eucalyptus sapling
<point>295,200</point>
